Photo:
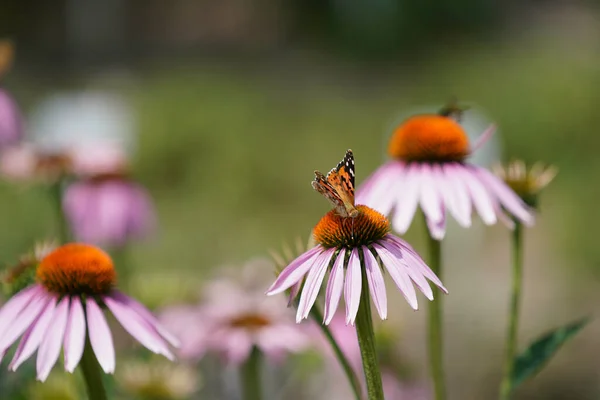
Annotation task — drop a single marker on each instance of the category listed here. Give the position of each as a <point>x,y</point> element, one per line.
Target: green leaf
<point>532,360</point>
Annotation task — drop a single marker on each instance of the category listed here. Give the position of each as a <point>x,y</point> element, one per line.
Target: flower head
<point>73,282</point>
<point>526,181</point>
<point>108,209</point>
<point>347,245</point>
<point>429,169</point>
<point>26,162</point>
<point>233,318</point>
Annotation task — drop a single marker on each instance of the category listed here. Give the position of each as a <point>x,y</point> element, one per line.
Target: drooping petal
<point>52,342</point>
<point>430,199</point>
<point>376,283</point>
<point>313,283</point>
<point>482,201</point>
<point>335,285</point>
<point>24,319</point>
<point>406,251</point>
<point>295,271</point>
<point>483,138</point>
<point>353,287</point>
<point>238,347</point>
<point>74,335</point>
<point>398,274</point>
<point>455,191</point>
<point>378,190</point>
<point>506,196</point>
<point>34,335</point>
<point>147,316</point>
<point>137,327</point>
<point>437,230</point>
<point>13,307</point>
<point>100,337</point>
<point>413,271</point>
<point>408,199</point>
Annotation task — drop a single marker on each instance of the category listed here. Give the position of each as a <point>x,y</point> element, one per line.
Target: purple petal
<point>100,336</point>
<point>74,335</point>
<point>483,138</point>
<point>313,283</point>
<point>454,190</point>
<point>239,345</point>
<point>52,342</point>
<point>482,201</point>
<point>505,195</point>
<point>353,287</point>
<point>34,335</point>
<point>24,319</point>
<point>379,190</point>
<point>406,251</point>
<point>137,327</point>
<point>376,283</point>
<point>411,269</point>
<point>13,307</point>
<point>147,316</point>
<point>398,274</point>
<point>294,290</point>
<point>408,200</point>
<point>294,272</point>
<point>437,230</point>
<point>431,201</point>
<point>334,287</point>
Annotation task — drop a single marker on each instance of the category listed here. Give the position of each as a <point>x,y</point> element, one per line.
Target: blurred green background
<point>237,102</point>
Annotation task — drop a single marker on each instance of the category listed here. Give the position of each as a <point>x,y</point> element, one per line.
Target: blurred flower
<point>527,182</point>
<point>429,169</point>
<point>347,245</point>
<point>22,274</point>
<point>233,318</point>
<point>11,121</point>
<point>158,380</point>
<point>25,162</point>
<point>50,313</point>
<point>108,210</point>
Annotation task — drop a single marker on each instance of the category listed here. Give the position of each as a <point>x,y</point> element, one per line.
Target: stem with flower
<point>511,336</point>
<point>435,337</point>
<point>366,340</point>
<point>92,373</point>
<point>251,377</point>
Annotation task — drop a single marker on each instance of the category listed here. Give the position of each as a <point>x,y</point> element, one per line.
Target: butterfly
<point>338,186</point>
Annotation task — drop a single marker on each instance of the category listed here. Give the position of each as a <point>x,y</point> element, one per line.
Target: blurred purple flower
<point>233,319</point>
<point>11,122</point>
<point>108,210</point>
<point>429,170</point>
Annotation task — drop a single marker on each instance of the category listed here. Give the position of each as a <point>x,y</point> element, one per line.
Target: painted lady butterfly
<point>338,186</point>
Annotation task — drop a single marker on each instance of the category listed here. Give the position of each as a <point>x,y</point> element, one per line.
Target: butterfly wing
<point>338,186</point>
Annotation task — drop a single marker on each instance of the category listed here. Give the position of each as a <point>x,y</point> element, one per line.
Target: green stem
<point>366,341</point>
<point>436,345</point>
<point>57,198</point>
<point>513,322</point>
<point>350,374</point>
<point>92,373</point>
<point>250,376</point>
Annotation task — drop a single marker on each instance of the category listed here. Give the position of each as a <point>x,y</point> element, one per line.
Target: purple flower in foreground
<point>429,170</point>
<point>232,319</point>
<point>11,122</point>
<point>108,210</point>
<point>73,283</point>
<point>345,247</point>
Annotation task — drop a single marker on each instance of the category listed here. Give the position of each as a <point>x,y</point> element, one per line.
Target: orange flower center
<point>250,321</point>
<point>333,230</point>
<point>77,269</point>
<point>429,137</point>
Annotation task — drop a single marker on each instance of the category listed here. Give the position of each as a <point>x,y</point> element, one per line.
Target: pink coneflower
<point>429,170</point>
<point>344,247</point>
<point>232,319</point>
<point>108,209</point>
<point>74,283</point>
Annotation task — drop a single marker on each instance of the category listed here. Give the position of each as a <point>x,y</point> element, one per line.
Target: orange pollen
<point>250,321</point>
<point>77,268</point>
<point>333,230</point>
<point>429,137</point>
